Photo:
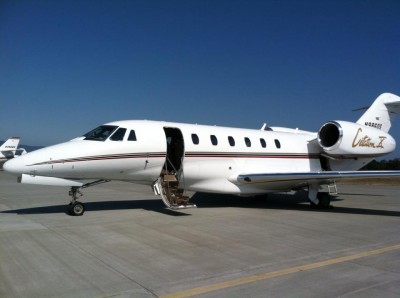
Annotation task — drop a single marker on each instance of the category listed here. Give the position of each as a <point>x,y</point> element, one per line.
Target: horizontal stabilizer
<point>42,180</point>
<point>8,154</point>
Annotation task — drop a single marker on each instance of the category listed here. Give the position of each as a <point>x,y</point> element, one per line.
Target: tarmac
<point>128,245</point>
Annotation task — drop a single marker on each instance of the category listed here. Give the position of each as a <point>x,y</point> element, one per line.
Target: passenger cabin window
<point>277,144</point>
<point>195,139</point>
<point>231,141</point>
<point>100,133</point>
<point>248,142</point>
<point>132,136</point>
<point>214,140</point>
<point>263,143</point>
<point>118,135</point>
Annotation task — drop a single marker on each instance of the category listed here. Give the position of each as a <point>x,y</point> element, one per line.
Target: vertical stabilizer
<point>382,112</point>
<point>10,145</point>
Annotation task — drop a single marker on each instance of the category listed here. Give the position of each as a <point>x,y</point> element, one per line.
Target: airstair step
<point>175,207</point>
<point>170,178</point>
<point>178,191</point>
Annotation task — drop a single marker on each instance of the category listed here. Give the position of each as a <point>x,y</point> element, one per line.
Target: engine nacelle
<point>342,138</point>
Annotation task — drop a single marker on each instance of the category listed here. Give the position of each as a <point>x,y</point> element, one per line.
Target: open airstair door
<point>171,183</point>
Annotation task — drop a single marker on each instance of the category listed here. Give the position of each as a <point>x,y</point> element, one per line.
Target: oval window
<point>214,140</point>
<point>248,142</point>
<point>231,141</point>
<point>195,139</point>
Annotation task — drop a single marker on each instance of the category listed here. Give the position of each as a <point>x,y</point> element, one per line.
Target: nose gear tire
<point>76,209</point>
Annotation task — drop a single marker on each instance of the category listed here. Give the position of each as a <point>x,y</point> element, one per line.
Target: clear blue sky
<point>68,66</point>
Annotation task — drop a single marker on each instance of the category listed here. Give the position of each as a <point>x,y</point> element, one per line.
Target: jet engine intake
<point>348,139</point>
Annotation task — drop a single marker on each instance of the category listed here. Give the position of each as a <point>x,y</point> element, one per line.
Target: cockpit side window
<point>132,136</point>
<point>100,133</point>
<point>118,135</point>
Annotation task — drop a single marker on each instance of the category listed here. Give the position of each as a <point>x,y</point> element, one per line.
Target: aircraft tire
<point>76,209</point>
<point>324,200</point>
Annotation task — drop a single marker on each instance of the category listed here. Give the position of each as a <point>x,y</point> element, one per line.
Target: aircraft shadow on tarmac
<point>282,201</point>
<point>151,205</point>
<point>204,200</point>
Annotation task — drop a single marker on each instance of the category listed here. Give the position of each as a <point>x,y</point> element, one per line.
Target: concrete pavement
<point>128,245</point>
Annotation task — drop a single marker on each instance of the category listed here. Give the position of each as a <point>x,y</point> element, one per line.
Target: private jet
<point>175,158</point>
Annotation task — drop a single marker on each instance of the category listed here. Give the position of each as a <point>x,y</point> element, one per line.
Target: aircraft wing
<point>301,179</point>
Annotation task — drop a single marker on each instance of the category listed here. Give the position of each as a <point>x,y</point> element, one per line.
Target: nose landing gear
<point>76,208</point>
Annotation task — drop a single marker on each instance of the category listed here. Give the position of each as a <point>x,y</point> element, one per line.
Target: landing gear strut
<point>76,208</point>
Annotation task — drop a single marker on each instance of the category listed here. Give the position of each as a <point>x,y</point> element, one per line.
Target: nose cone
<point>14,166</point>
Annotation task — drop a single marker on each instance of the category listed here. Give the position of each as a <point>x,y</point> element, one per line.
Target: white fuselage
<point>205,161</point>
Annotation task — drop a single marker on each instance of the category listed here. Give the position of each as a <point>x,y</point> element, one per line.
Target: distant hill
<point>26,147</point>
<point>30,148</point>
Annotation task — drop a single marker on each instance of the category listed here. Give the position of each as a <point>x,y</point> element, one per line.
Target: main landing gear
<point>76,208</point>
<point>324,201</point>
<point>318,199</point>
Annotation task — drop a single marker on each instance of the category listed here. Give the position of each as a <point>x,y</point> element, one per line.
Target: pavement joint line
<point>264,276</point>
<point>100,260</point>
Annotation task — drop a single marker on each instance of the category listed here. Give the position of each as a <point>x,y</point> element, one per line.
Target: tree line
<point>378,165</point>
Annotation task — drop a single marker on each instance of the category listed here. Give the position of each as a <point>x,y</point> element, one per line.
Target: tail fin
<point>10,144</point>
<point>9,147</point>
<point>382,112</point>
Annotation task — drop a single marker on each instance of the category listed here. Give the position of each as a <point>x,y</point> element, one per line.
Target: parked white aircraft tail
<point>8,149</point>
<point>175,158</point>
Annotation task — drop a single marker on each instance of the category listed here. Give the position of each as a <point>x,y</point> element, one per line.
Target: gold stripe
<point>268,275</point>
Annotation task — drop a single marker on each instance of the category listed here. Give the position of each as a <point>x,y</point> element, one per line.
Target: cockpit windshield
<point>100,133</point>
